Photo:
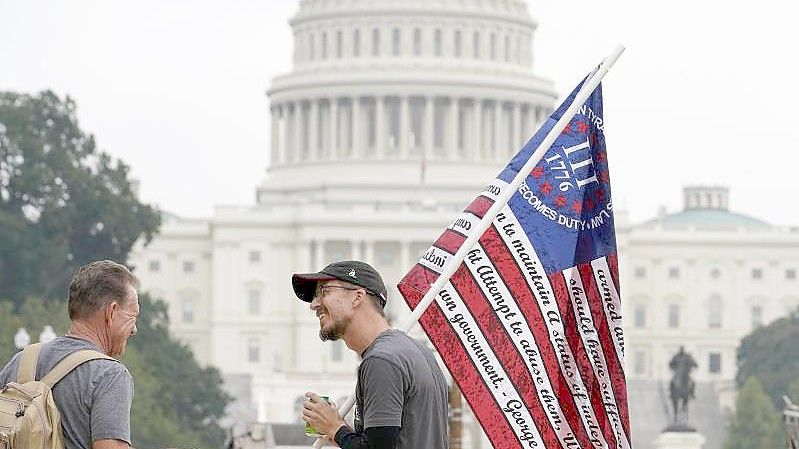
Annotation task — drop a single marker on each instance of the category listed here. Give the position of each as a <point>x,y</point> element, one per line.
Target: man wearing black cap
<point>401,395</point>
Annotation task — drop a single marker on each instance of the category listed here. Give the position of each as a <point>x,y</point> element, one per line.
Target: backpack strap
<point>26,371</point>
<point>71,362</point>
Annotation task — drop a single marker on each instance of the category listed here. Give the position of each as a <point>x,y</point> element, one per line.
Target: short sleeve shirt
<point>401,385</point>
<point>94,399</point>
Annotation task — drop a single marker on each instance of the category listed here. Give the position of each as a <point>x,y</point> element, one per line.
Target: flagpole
<point>452,265</point>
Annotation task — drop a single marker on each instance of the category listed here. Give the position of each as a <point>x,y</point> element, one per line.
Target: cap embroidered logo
<point>352,273</point>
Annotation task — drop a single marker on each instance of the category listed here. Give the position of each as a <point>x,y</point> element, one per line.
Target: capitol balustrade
<point>400,127</point>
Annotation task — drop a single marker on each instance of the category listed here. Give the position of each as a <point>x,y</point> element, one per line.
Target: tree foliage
<point>755,423</point>
<point>62,202</point>
<point>771,354</point>
<point>190,395</point>
<point>793,391</point>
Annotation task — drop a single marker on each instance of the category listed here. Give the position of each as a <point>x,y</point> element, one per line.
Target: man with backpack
<point>72,393</point>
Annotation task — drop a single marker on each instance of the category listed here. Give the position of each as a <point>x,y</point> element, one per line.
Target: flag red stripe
<point>450,241</point>
<point>458,362</point>
<point>615,369</point>
<point>480,206</point>
<point>525,299</point>
<point>613,263</point>
<point>581,355</point>
<point>505,350</point>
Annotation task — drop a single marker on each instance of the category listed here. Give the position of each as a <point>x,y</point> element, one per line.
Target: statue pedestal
<point>680,440</point>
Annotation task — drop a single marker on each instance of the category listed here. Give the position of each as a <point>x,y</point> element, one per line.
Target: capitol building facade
<point>395,114</point>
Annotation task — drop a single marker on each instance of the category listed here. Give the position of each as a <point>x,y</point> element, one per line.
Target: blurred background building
<point>395,115</point>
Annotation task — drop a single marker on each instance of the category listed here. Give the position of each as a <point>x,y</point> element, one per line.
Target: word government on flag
<point>530,323</point>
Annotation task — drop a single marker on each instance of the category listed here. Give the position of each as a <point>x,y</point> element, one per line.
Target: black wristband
<point>342,432</point>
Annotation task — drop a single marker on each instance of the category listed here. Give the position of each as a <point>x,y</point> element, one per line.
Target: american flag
<point>530,323</point>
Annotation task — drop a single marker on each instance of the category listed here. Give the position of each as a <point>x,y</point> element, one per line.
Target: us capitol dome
<point>386,95</point>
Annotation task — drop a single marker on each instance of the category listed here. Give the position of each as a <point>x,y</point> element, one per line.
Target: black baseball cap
<point>351,271</point>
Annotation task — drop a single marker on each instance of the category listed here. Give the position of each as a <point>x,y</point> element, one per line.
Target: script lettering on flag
<point>530,324</point>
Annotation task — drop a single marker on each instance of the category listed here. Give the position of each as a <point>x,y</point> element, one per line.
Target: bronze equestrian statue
<point>681,389</point>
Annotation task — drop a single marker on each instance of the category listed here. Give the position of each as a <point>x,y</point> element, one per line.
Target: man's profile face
<point>332,303</point>
<point>123,322</point>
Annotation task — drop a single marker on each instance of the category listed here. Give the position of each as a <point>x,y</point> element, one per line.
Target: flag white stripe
<point>488,366</point>
<point>495,189</point>
<point>610,303</point>
<point>527,259</point>
<point>435,259</point>
<point>464,224</point>
<point>593,347</point>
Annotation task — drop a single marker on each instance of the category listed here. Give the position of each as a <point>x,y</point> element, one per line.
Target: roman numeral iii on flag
<point>523,291</point>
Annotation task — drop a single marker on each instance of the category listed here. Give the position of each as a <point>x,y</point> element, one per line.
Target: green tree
<point>793,391</point>
<point>771,354</point>
<point>756,423</point>
<point>188,394</point>
<point>62,202</point>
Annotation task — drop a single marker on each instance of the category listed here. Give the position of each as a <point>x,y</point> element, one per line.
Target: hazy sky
<point>704,94</point>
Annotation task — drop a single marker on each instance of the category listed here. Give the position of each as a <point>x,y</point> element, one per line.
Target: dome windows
<point>336,42</point>
<point>376,42</point>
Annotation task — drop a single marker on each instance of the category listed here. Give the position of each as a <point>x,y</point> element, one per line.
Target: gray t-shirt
<point>400,385</point>
<point>94,399</point>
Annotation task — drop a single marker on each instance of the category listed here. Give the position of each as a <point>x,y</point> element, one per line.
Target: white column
<point>454,115</point>
<point>299,148</point>
<point>345,131</point>
<point>333,144</point>
<point>355,250</point>
<point>356,127</point>
<point>540,116</point>
<point>477,150</point>
<point>275,153</point>
<point>313,130</point>
<point>369,257</point>
<point>261,407</point>
<point>519,138</point>
<point>304,256</point>
<point>497,129</point>
<point>290,150</point>
<point>319,254</point>
<point>404,126</point>
<point>405,254</point>
<point>429,126</point>
<point>380,126</point>
<point>282,128</point>
<point>429,119</point>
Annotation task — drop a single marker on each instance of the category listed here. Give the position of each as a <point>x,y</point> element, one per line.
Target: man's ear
<point>360,295</point>
<point>110,310</point>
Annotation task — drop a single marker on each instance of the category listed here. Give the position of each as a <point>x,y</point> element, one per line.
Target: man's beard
<point>334,332</point>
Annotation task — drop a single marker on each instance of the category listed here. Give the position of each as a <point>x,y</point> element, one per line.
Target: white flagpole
<point>452,265</point>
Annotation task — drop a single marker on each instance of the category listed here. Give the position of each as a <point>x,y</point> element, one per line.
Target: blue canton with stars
<point>564,204</point>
